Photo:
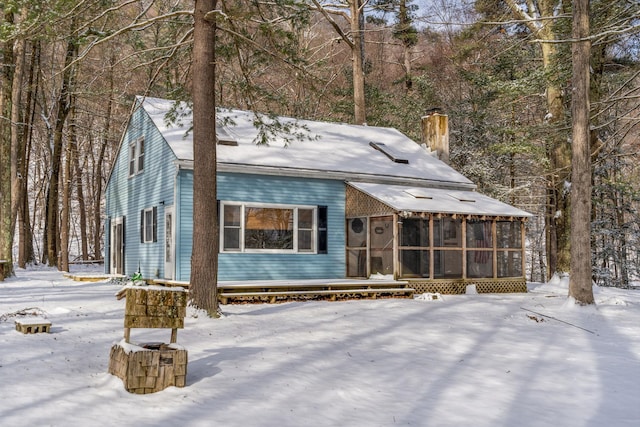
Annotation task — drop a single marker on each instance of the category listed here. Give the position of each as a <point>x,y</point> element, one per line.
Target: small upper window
<point>136,156</point>
<point>140,154</point>
<point>132,159</point>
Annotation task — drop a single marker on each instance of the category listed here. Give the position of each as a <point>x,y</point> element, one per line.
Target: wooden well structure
<point>151,367</point>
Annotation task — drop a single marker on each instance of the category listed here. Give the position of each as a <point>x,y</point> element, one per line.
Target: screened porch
<point>440,240</point>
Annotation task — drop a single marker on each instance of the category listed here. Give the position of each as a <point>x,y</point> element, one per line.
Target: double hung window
<point>136,156</point>
<point>270,228</point>
<point>149,225</point>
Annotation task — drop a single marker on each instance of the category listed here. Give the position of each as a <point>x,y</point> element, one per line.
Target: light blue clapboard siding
<point>286,190</point>
<point>184,224</point>
<point>280,190</point>
<point>127,196</point>
<point>269,189</point>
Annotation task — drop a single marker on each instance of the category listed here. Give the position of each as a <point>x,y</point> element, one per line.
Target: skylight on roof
<point>463,197</point>
<point>390,152</point>
<point>224,137</point>
<point>419,193</point>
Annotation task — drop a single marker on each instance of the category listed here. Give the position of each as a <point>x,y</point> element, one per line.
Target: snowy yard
<point>480,360</point>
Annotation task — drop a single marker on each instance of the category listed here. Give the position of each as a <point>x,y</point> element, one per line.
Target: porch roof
<point>435,200</point>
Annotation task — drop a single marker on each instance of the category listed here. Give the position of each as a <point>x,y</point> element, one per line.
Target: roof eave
<point>334,175</point>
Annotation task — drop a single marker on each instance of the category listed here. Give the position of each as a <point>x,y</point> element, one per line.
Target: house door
<point>169,244</point>
<point>117,246</point>
<point>381,245</point>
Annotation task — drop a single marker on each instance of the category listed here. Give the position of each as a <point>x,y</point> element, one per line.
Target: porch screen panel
<point>510,264</point>
<point>268,228</point>
<point>357,247</point>
<point>480,243</point>
<point>508,234</point>
<point>381,245</point>
<point>509,242</point>
<point>447,242</point>
<point>414,248</point>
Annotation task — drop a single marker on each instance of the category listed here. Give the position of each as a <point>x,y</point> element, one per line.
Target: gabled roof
<point>438,200</point>
<point>324,149</point>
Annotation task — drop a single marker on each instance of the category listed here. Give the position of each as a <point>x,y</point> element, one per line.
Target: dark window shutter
<point>142,226</point>
<point>107,253</point>
<point>322,229</point>
<point>155,223</point>
<point>124,242</point>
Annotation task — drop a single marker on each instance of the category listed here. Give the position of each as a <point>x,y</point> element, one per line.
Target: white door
<point>169,244</point>
<point>117,246</point>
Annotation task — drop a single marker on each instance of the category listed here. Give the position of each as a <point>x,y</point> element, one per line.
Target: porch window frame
<point>260,205</point>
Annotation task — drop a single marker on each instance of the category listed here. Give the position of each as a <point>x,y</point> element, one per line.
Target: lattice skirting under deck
<point>459,286</point>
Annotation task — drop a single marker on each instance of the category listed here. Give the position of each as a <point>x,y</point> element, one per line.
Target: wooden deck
<point>282,290</point>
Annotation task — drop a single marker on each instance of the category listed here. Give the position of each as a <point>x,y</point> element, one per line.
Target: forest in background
<point>501,70</point>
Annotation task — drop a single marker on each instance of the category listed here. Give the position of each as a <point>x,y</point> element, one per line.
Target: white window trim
<point>134,157</point>
<point>145,225</point>
<point>295,250</point>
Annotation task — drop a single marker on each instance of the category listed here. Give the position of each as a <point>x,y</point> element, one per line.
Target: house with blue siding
<point>301,200</point>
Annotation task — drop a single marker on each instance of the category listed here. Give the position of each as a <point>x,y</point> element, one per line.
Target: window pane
<point>231,239</point>
<point>267,228</point>
<point>232,216</point>
<point>414,263</point>
<point>357,232</point>
<point>140,154</point>
<point>447,264</point>
<point>132,159</point>
<point>479,234</point>
<point>305,219</point>
<point>509,264</point>
<point>148,226</point>
<point>508,234</point>
<point>415,232</point>
<point>479,263</point>
<point>305,242</point>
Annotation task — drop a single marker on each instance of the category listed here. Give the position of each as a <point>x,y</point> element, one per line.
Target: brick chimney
<point>435,133</point>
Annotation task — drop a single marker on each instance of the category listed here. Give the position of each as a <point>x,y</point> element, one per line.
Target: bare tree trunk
<point>405,34</point>
<point>357,56</point>
<point>204,257</point>
<point>76,172</point>
<point>6,232</point>
<point>580,282</point>
<point>559,154</point>
<point>63,257</point>
<point>52,235</point>
<point>25,235</point>
<point>17,128</point>
<point>558,150</point>
<point>98,166</point>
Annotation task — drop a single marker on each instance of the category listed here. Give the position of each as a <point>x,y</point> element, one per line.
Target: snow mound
<point>428,296</point>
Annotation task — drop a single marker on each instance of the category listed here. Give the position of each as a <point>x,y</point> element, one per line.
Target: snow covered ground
<point>466,360</point>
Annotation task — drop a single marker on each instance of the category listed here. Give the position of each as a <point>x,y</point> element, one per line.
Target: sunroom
<point>439,240</point>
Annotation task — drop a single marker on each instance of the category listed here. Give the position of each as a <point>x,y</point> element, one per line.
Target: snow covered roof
<point>437,200</point>
<point>311,148</point>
